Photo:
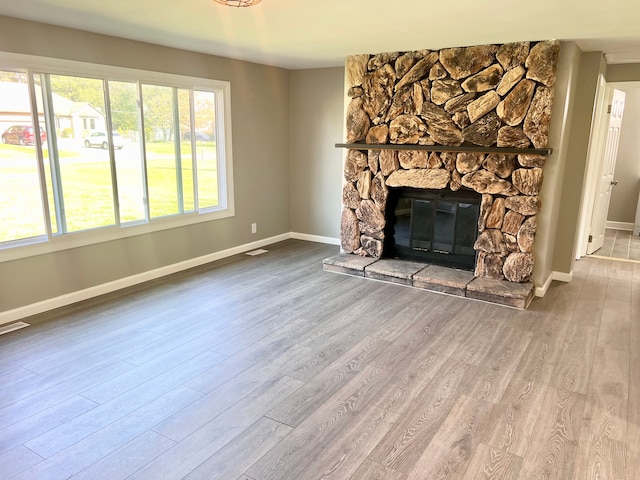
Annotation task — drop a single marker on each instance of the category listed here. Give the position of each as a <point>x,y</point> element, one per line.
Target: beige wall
<point>555,168</point>
<point>626,72</point>
<point>260,97</point>
<point>317,116</point>
<point>624,196</point>
<point>592,64</point>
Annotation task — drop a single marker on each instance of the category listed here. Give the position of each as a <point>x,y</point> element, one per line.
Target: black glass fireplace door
<point>437,228</point>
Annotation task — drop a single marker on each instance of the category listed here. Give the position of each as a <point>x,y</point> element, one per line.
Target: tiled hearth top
<point>433,278</point>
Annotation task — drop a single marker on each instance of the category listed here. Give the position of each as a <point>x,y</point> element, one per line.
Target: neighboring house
<point>72,119</point>
<point>14,99</point>
<point>76,119</point>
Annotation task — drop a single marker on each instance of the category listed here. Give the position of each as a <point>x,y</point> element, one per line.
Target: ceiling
<point>297,34</point>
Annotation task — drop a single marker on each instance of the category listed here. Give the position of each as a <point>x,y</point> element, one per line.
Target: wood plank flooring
<point>269,368</point>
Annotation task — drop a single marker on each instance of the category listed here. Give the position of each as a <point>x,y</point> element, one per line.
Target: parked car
<point>100,139</point>
<point>22,135</point>
<point>200,136</point>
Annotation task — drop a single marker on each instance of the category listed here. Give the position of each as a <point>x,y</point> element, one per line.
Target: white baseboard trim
<point>626,226</point>
<point>542,291</point>
<point>559,276</point>
<point>315,238</point>
<point>9,316</point>
<point>562,277</point>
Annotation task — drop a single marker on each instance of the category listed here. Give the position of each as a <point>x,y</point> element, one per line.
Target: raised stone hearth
<point>433,278</point>
<point>409,104</point>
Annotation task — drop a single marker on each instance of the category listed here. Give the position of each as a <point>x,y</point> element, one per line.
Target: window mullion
<point>194,150</point>
<point>54,160</point>
<point>112,154</point>
<point>178,154</point>
<point>42,179</point>
<point>143,149</point>
<point>221,156</point>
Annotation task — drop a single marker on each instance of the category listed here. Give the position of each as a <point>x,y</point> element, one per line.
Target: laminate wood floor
<point>267,367</point>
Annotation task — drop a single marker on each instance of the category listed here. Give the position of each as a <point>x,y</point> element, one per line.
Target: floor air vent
<point>259,251</point>
<point>12,327</point>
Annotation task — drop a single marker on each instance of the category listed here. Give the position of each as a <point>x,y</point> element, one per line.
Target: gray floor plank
<point>201,337</point>
<point>266,350</point>
<point>490,463</point>
<point>609,390</point>
<point>498,365</point>
<point>634,329</point>
<point>18,460</point>
<point>127,459</point>
<point>94,420</point>
<point>588,310</point>
<point>80,455</point>
<point>146,372</point>
<point>348,450</point>
<point>515,416</point>
<point>554,441</point>
<point>45,399</point>
<point>479,342</point>
<point>443,326</point>
<point>109,345</point>
<point>402,447</point>
<point>632,440</point>
<point>573,367</point>
<point>196,448</point>
<point>308,398</point>
<point>12,376</point>
<point>36,425</point>
<point>243,451</point>
<point>216,402</point>
<point>15,354</point>
<point>451,449</point>
<point>410,379</point>
<point>615,332</point>
<point>317,432</point>
<point>374,471</point>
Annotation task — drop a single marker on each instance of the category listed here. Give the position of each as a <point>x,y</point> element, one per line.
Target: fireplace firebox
<point>434,226</point>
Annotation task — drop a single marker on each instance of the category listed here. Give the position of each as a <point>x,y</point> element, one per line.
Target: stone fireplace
<point>472,120</point>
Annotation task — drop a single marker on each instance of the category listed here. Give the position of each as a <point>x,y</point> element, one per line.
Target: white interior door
<point>606,181</point>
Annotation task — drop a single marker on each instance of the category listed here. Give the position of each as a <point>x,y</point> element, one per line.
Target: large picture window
<point>85,153</point>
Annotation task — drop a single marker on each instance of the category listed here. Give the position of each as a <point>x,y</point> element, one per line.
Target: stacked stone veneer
<point>485,96</point>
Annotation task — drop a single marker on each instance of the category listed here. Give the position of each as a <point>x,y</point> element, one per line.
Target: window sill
<point>41,245</point>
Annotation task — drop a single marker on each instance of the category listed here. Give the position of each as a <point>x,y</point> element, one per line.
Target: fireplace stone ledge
<point>443,279</point>
<point>395,271</point>
<point>348,264</point>
<point>433,278</point>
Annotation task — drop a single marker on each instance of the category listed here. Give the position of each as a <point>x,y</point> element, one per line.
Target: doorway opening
<point>610,213</point>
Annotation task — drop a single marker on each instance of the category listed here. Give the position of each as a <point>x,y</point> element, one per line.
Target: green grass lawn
<point>86,183</point>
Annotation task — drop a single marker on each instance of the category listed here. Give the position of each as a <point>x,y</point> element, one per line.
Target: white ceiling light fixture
<point>238,3</point>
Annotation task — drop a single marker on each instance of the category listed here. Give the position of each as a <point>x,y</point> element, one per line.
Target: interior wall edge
<point>542,291</point>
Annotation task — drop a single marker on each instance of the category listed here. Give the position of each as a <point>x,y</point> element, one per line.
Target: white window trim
<point>24,248</point>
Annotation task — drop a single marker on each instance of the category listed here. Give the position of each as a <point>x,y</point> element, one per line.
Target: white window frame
<point>22,248</point>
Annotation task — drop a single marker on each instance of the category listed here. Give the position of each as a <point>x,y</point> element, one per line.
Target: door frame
<point>599,123</point>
